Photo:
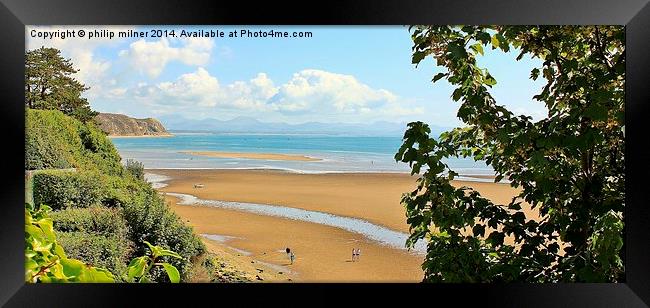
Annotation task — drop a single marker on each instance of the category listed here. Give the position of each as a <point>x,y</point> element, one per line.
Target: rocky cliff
<point>122,125</point>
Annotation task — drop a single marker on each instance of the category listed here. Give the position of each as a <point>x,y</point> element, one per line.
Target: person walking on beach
<point>354,254</point>
<point>358,253</point>
<point>292,257</point>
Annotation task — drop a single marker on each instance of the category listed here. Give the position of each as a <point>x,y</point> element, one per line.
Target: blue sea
<point>337,153</point>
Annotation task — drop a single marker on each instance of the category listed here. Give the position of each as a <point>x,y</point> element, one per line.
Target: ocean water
<point>337,153</point>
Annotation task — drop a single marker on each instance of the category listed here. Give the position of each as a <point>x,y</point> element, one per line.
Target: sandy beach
<point>323,252</point>
<point>264,156</point>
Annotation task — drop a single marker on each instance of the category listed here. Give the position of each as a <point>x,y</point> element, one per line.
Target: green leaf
<point>456,50</point>
<point>458,93</point>
<point>417,57</point>
<point>478,48</point>
<point>495,42</point>
<point>72,268</point>
<point>484,37</point>
<point>166,252</point>
<point>155,250</point>
<point>438,77</point>
<point>489,80</point>
<point>137,267</point>
<point>46,226</point>
<point>172,272</point>
<point>478,230</point>
<point>96,275</point>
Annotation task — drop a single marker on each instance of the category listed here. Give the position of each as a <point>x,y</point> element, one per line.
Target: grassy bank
<point>103,212</point>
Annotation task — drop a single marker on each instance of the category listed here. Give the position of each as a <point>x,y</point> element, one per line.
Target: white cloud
<point>308,92</point>
<point>198,88</point>
<point>315,88</point>
<point>151,57</point>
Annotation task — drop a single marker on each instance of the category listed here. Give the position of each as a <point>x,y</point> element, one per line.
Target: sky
<point>341,74</point>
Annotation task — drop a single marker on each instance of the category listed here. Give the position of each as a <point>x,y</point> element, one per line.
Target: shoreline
<point>139,136</point>
<point>259,156</point>
<point>461,178</point>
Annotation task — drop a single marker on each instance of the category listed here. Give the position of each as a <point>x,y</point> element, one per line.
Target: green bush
<point>54,141</point>
<point>64,189</point>
<point>51,140</point>
<point>96,235</point>
<point>45,259</point>
<point>135,168</point>
<point>95,219</point>
<point>100,151</point>
<point>108,252</point>
<point>150,219</point>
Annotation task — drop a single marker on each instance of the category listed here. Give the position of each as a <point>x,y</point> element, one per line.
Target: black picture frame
<point>634,14</point>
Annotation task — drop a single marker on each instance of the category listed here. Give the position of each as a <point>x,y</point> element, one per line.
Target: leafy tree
<point>570,166</point>
<point>49,84</point>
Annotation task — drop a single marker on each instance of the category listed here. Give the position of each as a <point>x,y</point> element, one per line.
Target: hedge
<point>110,252</point>
<point>56,141</point>
<point>96,235</point>
<point>95,219</point>
<point>64,189</point>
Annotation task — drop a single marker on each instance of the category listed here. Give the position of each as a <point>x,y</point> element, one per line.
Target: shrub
<point>54,141</point>
<point>45,259</point>
<point>63,189</point>
<point>51,140</point>
<point>96,235</point>
<point>108,252</point>
<point>135,168</point>
<point>150,219</point>
<point>100,151</point>
<point>95,219</point>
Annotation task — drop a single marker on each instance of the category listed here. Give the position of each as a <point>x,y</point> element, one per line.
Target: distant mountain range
<point>251,125</point>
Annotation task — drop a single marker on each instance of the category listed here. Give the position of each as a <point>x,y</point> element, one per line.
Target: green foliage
<point>64,189</point>
<point>151,219</point>
<point>49,84</point>
<point>570,165</point>
<point>95,219</point>
<point>96,235</point>
<point>45,259</point>
<point>108,252</point>
<point>51,141</point>
<point>56,141</point>
<point>135,168</point>
<point>141,266</point>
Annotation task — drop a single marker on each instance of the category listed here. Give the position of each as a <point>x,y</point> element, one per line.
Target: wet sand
<point>323,252</point>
